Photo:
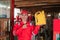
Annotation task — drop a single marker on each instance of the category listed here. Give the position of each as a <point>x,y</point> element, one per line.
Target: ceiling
<point>28,3</point>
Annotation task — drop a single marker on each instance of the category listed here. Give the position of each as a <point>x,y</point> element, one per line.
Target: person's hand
<point>14,33</point>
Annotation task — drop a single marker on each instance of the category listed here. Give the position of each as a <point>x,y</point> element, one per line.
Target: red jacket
<point>25,34</point>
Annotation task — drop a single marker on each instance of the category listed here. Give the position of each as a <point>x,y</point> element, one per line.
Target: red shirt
<point>25,34</point>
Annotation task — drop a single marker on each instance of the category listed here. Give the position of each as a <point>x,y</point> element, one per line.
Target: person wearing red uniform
<point>25,29</point>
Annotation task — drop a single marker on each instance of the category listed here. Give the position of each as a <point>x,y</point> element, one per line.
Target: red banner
<point>56,25</point>
<point>56,28</point>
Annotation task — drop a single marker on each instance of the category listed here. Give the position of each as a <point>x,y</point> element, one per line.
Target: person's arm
<point>14,29</point>
<point>35,29</point>
<point>17,29</point>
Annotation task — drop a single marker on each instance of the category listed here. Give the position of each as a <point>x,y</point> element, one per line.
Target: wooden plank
<point>39,0</point>
<point>35,3</point>
<point>11,18</point>
<point>27,0</point>
<point>41,4</point>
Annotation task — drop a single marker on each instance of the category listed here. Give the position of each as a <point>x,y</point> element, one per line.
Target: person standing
<point>25,29</point>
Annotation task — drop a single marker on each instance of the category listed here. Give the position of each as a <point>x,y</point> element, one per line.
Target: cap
<point>24,12</point>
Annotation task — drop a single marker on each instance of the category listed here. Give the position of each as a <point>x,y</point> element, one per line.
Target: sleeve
<point>36,29</point>
<point>16,30</point>
<point>15,27</point>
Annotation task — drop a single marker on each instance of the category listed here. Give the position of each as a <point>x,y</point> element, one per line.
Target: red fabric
<point>25,34</point>
<point>24,12</point>
<point>56,25</point>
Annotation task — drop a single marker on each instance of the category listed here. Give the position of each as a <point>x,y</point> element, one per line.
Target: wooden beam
<point>27,0</point>
<point>35,3</point>
<point>27,3</point>
<point>11,19</point>
<point>39,0</point>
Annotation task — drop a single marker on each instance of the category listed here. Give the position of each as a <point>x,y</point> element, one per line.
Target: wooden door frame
<point>11,18</point>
